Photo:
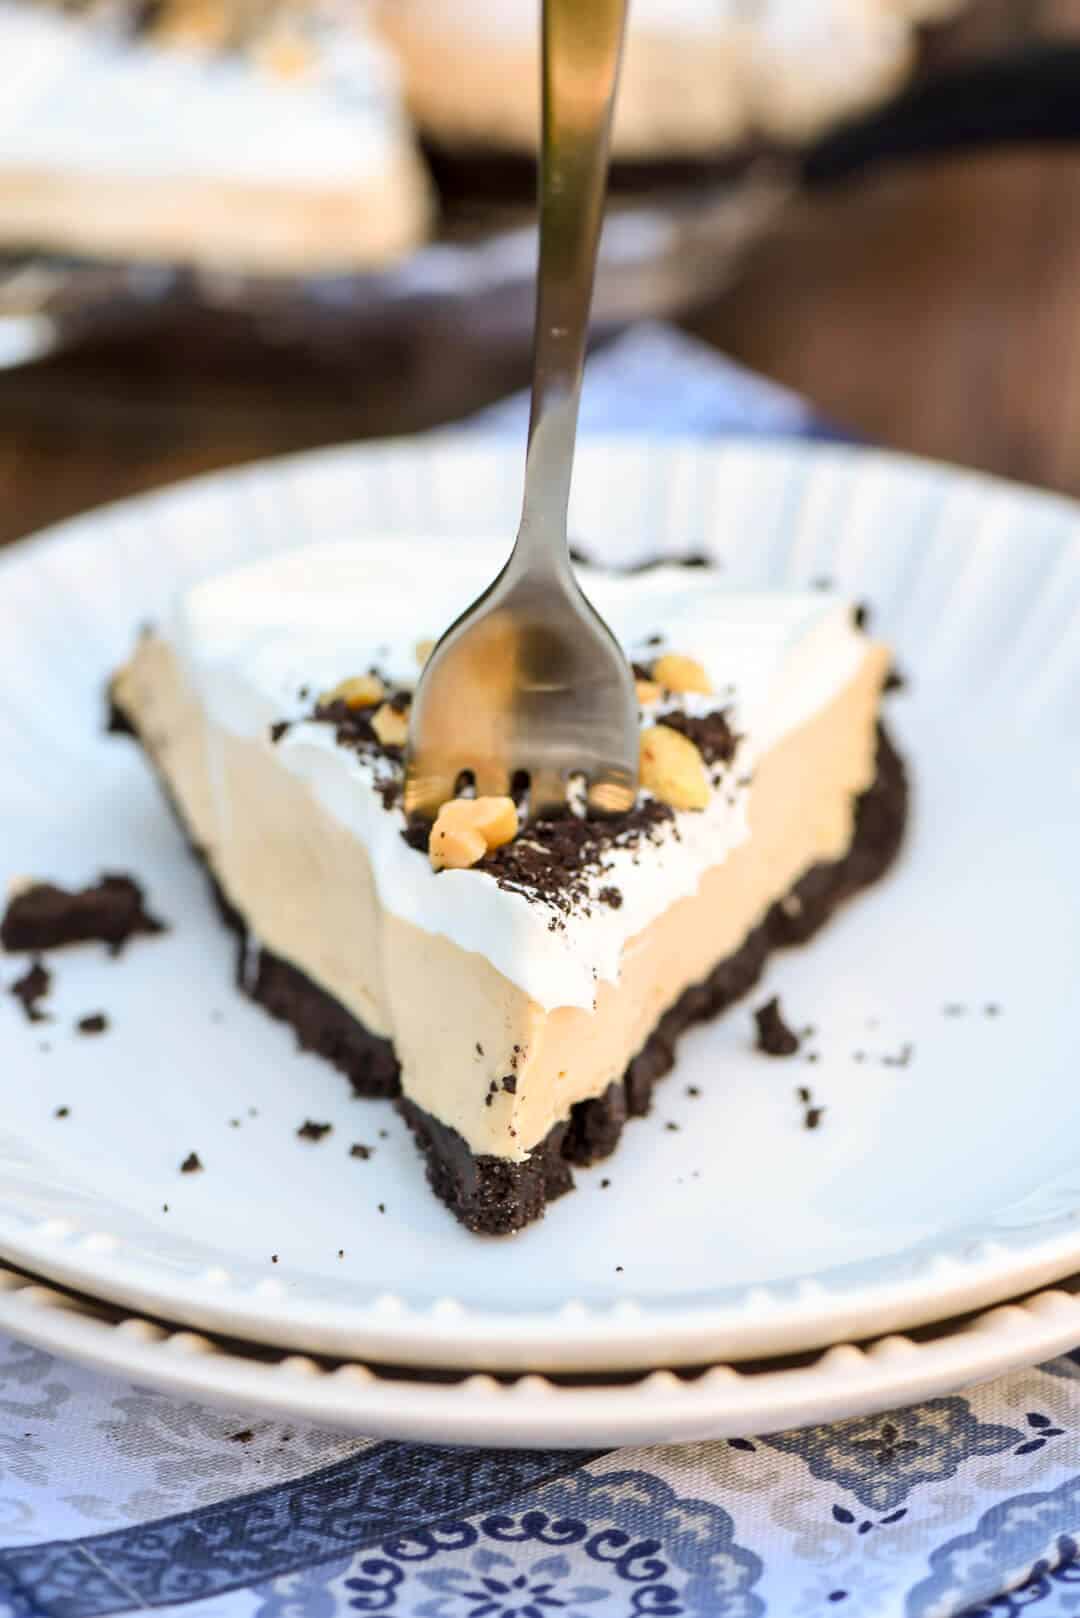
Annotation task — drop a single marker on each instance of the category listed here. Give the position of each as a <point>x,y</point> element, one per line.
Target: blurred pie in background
<point>230,135</point>
<point>287,137</point>
<point>700,78</point>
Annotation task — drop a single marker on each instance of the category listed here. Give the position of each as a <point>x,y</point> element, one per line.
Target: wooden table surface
<point>933,308</point>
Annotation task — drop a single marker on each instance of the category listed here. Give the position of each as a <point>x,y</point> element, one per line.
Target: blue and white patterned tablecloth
<point>114,1498</point>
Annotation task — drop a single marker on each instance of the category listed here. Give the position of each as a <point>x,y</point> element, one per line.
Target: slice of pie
<point>699,78</point>
<point>187,131</point>
<point>519,991</point>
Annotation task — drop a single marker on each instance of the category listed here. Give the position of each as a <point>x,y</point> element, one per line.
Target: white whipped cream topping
<point>82,97</point>
<point>253,639</point>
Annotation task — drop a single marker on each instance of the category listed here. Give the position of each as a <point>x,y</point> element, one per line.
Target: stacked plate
<point>736,1273</point>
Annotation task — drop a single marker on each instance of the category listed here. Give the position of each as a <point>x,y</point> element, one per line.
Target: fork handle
<point>582,42</point>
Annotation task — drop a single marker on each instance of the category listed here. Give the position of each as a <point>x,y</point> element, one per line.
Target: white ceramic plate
<point>931,1187</point>
<point>535,1412</point>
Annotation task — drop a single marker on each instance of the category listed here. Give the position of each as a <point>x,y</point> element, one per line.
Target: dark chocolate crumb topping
<point>774,1037</point>
<point>902,1057</point>
<point>553,859</point>
<point>313,1131</point>
<point>358,1149</point>
<point>46,916</point>
<point>710,733</point>
<point>95,1022</point>
<point>31,989</point>
<point>813,1117</point>
<point>191,1164</point>
<point>509,1084</point>
<point>611,896</point>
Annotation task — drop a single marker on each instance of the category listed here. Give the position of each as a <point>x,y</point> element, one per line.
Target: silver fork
<point>530,680</point>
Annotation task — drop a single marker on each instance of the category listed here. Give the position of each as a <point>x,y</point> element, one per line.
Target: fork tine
<point>427,790</point>
<point>492,779</point>
<point>547,792</point>
<point>611,793</point>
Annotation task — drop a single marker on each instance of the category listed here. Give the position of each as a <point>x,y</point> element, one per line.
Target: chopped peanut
<point>361,691</point>
<point>466,828</point>
<point>423,650</point>
<point>497,818</point>
<point>391,726</point>
<point>648,692</point>
<point>677,673</point>
<point>672,768</point>
<point>455,846</point>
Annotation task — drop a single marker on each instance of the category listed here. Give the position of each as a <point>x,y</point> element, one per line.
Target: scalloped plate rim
<point>968,1270</point>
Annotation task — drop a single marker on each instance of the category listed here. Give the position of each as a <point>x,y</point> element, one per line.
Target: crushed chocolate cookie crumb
<point>860,615</point>
<point>243,1437</point>
<point>673,1127</point>
<point>902,1057</point>
<point>812,1056</point>
<point>552,859</point>
<point>62,1112</point>
<point>234,1123</point>
<point>479,1048</point>
<point>605,1185</point>
<point>417,833</point>
<point>693,1090</point>
<point>310,1130</point>
<point>774,1037</point>
<point>45,916</point>
<point>611,896</point>
<point>31,989</point>
<point>358,1149</point>
<point>618,1269</point>
<point>279,728</point>
<point>95,1023</point>
<point>353,727</point>
<point>273,1258</point>
<point>384,1134</point>
<point>803,1094</point>
<point>813,1117</point>
<point>654,640</point>
<point>382,1207</point>
<point>710,733</point>
<point>191,1164</point>
<point>895,681</point>
<point>509,1084</point>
